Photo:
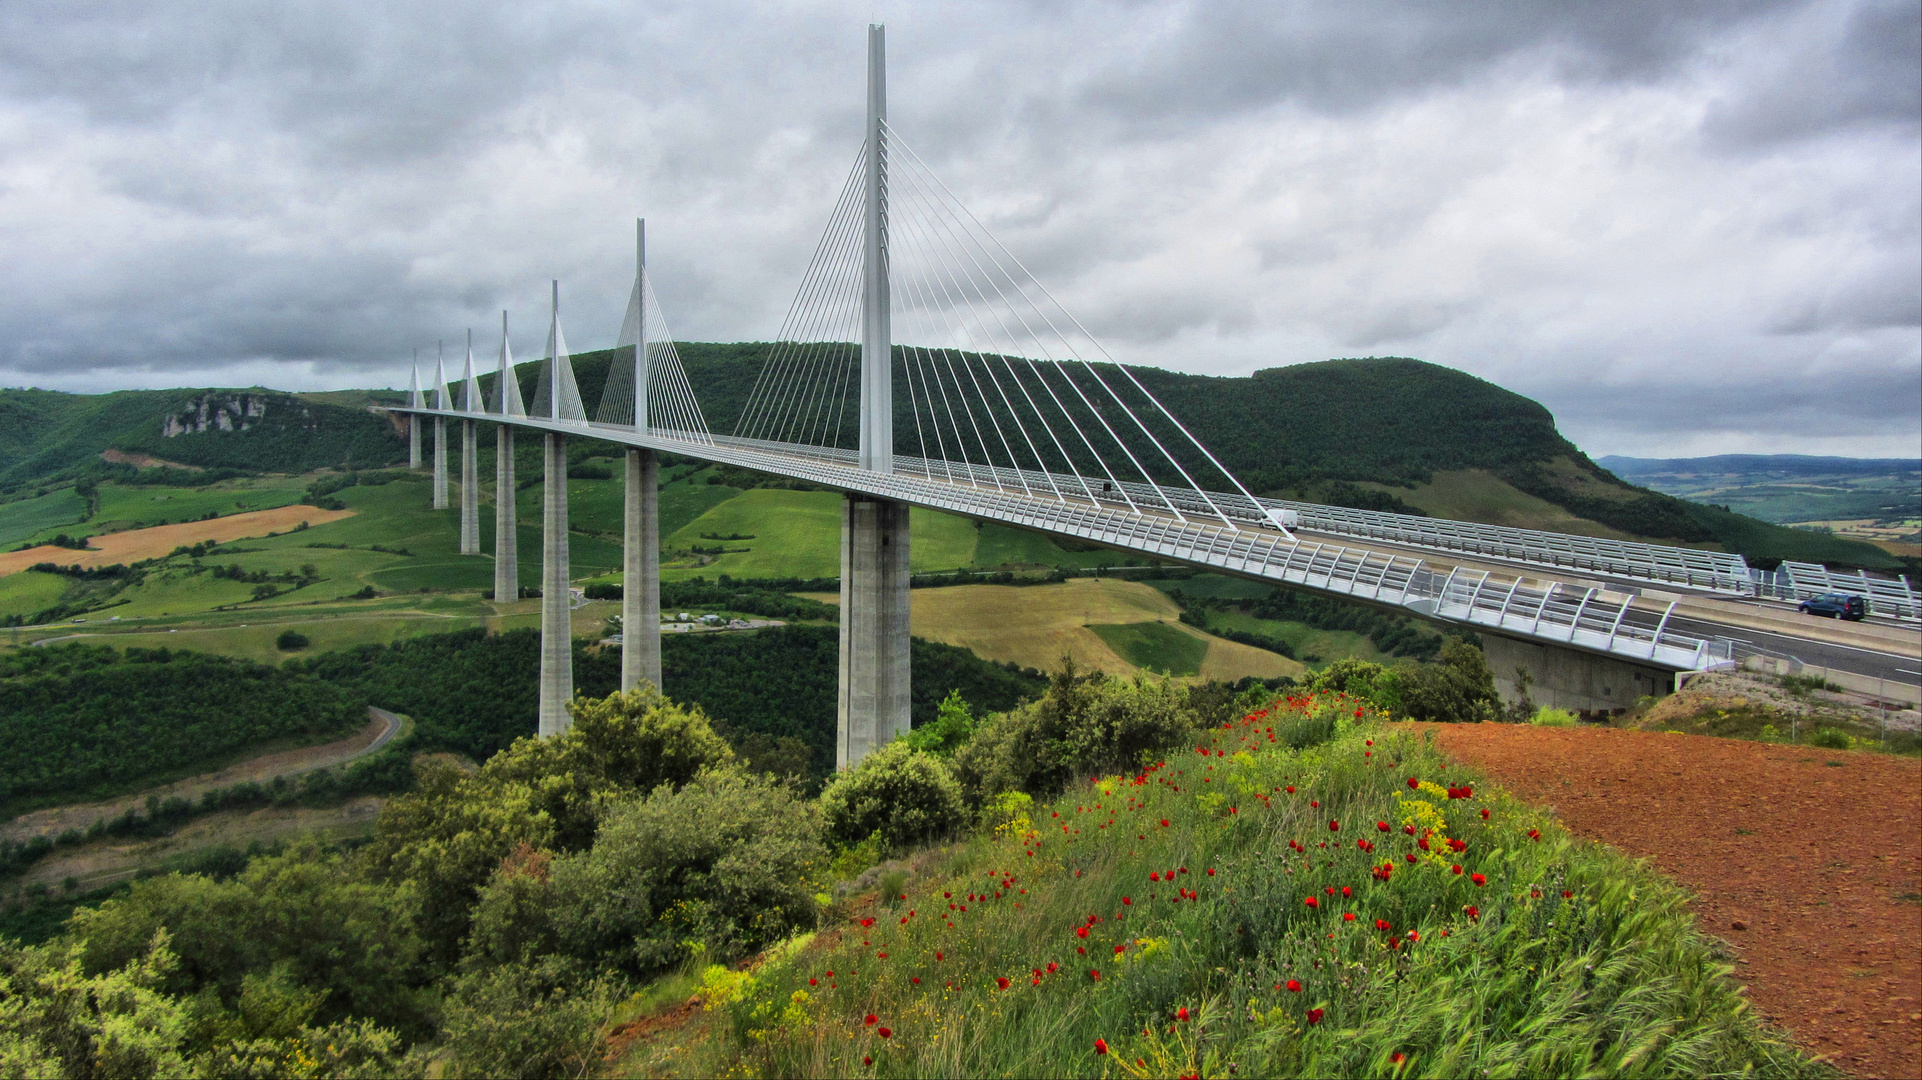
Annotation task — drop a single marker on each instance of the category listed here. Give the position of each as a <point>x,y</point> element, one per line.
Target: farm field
<point>1036,625</point>
<point>1823,917</point>
<point>42,515</point>
<point>152,543</point>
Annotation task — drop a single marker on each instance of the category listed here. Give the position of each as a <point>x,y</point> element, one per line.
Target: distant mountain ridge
<point>1379,432</point>
<point>1785,465</point>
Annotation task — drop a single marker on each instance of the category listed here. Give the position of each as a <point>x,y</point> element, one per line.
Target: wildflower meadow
<point>1303,892</point>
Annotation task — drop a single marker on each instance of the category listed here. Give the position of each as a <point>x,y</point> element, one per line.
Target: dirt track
<point>1817,854</point>
<point>134,545</point>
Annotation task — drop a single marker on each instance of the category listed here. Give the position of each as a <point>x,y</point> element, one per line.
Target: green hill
<point>1381,433</point>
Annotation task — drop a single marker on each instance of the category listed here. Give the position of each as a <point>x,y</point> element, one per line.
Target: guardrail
<point>1889,597</point>
<point>1584,618</point>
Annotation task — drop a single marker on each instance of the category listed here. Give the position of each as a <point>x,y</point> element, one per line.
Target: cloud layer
<point>1686,228</point>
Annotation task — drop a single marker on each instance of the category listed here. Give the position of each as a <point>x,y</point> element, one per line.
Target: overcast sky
<point>1686,228</point>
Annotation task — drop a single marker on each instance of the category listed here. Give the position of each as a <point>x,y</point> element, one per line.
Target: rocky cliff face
<point>230,412</point>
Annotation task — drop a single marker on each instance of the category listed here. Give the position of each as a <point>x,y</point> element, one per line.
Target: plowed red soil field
<point>1808,862</point>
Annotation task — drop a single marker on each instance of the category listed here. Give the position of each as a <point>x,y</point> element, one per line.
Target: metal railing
<point>1584,618</point>
<point>1889,597</point>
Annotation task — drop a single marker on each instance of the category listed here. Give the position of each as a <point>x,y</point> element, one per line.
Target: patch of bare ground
<point>110,861</point>
<point>54,820</point>
<point>160,540</point>
<point>1805,861</point>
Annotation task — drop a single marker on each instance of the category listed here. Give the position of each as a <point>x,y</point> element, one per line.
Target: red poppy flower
<point>1315,804</point>
<point>1412,856</point>
<point>1181,1013</point>
<point>884,1033</point>
<point>1534,834</point>
<point>1397,1059</point>
<point>1334,826</point>
<point>1314,1016</point>
<point>1127,900</point>
<point>1381,826</point>
<point>1370,742</point>
<point>1211,871</point>
<point>812,982</point>
<point>1457,845</point>
<point>1413,783</point>
<point>1095,974</point>
<point>1312,902</point>
<point>1409,829</point>
<point>1164,823</point>
<point>1053,967</point>
<point>1473,911</point>
<point>1347,916</point>
<point>1414,935</point>
<point>1330,890</point>
<point>871,1019</point>
<point>867,1061</point>
<point>1119,949</point>
<point>1002,983</point>
<point>1101,1046</point>
<point>1294,985</point>
<point>1484,815</point>
<point>1081,931</point>
<point>1291,791</point>
<point>1566,894</point>
<point>1457,868</point>
<point>1346,891</point>
<point>1478,879</point>
<point>1381,924</point>
<point>916,980</point>
<point>1154,875</point>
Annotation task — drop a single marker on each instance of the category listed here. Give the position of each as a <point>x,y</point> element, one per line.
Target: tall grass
<point>1566,958</point>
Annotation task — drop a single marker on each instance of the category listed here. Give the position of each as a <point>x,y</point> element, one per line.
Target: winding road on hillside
<point>382,727</point>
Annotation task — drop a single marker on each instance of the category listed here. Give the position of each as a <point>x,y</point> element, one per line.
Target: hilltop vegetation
<point>1124,904</point>
<point>1353,432</point>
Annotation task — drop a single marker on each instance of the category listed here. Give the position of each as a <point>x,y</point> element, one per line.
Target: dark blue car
<point>1835,605</point>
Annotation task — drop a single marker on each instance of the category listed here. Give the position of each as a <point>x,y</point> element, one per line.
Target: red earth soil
<point>1808,862</point>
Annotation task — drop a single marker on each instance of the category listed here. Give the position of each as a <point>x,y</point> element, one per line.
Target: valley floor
<point>1803,860</point>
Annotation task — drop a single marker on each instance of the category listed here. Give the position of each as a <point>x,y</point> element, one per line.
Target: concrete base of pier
<point>874,699</point>
<point>557,639</point>
<point>641,572</point>
<point>1568,679</point>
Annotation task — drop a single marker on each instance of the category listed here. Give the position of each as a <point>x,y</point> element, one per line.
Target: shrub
<point>1457,688</point>
<point>1547,717</point>
<point>905,795</point>
<point>621,744</point>
<point>953,725</point>
<point>1081,725</point>
<point>1829,739</point>
<point>291,641</point>
<point>526,1020</point>
<point>723,866</point>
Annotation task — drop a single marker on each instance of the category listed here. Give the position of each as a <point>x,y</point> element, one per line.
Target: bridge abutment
<point>1570,679</point>
<point>469,490</point>
<point>874,683</point>
<point>641,572</point>
<point>557,639</point>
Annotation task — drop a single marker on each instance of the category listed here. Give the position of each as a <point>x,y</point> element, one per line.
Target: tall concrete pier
<point>641,535</point>
<point>469,470</point>
<point>641,572</point>
<point>874,697</point>
<point>440,433</point>
<point>415,400</point>
<point>507,402</point>
<point>563,402</point>
<point>557,641</point>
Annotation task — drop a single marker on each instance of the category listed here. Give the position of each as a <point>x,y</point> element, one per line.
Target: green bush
<point>1457,688</point>
<point>1829,739</point>
<point>532,1020</point>
<point>953,725</point>
<point>723,867</point>
<point>1082,725</point>
<point>291,641</point>
<point>905,795</point>
<point>1547,717</point>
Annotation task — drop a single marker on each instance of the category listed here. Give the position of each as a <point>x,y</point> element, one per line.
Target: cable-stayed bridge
<point>921,364</point>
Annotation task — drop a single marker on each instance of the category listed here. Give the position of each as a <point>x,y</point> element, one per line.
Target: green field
<point>26,592</point>
<point>797,534</point>
<point>137,507</point>
<point>24,519</point>
<point>1311,646</point>
<point>1155,646</point>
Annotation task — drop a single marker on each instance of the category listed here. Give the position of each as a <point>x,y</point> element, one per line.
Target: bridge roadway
<point>1593,614</point>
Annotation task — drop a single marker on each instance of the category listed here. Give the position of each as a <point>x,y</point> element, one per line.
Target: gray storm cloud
<point>1684,227</point>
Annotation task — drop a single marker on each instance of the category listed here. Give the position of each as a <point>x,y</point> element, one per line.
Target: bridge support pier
<point>413,442</point>
<point>641,572</point>
<point>469,491</point>
<point>874,697</point>
<point>440,462</point>
<point>507,555</point>
<point>557,639</point>
<point>1569,679</point>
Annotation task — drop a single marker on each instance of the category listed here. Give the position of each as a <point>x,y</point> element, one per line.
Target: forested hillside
<point>1381,433</point>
